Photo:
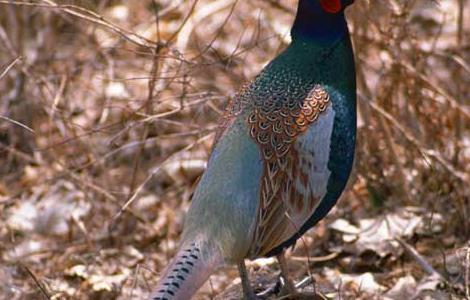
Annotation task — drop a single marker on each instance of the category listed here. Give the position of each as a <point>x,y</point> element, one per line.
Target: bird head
<point>321,20</point>
<point>334,6</point>
<point>324,7</point>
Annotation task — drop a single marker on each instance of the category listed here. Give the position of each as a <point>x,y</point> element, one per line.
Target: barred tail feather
<point>187,272</point>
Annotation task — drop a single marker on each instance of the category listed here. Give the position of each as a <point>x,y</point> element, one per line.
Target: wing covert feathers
<point>283,207</point>
<point>286,200</point>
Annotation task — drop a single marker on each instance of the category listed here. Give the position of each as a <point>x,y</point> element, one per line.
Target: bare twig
<point>88,15</point>
<point>38,284</point>
<point>10,65</point>
<point>467,272</point>
<point>148,110</point>
<point>192,20</point>
<point>432,86</point>
<point>155,171</point>
<point>325,258</point>
<point>281,6</point>
<point>419,259</point>
<point>427,152</point>
<point>17,123</point>
<point>58,95</point>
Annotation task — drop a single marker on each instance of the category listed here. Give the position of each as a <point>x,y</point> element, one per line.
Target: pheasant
<point>281,157</point>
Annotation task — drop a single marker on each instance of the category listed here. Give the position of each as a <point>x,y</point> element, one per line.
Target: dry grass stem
<point>108,112</point>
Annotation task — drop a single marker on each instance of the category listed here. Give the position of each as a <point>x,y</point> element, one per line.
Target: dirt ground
<point>108,110</point>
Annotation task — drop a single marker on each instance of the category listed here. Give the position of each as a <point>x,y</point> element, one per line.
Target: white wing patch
<point>294,141</point>
<point>313,148</point>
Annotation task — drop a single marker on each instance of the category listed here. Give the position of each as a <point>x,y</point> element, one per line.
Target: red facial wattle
<point>331,6</point>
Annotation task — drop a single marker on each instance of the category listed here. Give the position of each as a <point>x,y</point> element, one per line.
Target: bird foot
<point>279,288</point>
<point>288,287</point>
<point>248,293</point>
<point>292,291</point>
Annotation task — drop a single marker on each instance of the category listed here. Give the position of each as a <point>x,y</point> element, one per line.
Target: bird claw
<point>288,288</point>
<point>293,290</point>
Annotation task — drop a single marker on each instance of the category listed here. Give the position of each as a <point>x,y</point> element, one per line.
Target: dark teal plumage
<point>333,66</point>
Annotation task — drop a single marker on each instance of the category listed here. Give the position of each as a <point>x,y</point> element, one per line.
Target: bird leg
<point>288,286</point>
<point>247,290</point>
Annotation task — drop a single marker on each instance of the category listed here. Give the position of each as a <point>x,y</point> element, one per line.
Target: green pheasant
<point>281,159</point>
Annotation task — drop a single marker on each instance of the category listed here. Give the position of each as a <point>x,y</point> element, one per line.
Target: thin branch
<point>38,284</point>
<point>467,272</point>
<point>452,101</point>
<point>419,259</point>
<point>89,16</point>
<point>427,152</point>
<point>155,171</point>
<point>11,65</point>
<point>17,123</point>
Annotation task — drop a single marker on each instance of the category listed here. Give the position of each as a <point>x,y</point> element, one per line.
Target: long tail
<point>187,272</point>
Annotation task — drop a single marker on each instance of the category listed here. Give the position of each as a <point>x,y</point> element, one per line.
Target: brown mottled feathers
<point>232,110</point>
<point>285,200</point>
<point>280,201</point>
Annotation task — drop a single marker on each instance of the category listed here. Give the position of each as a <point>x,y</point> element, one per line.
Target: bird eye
<point>331,6</point>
